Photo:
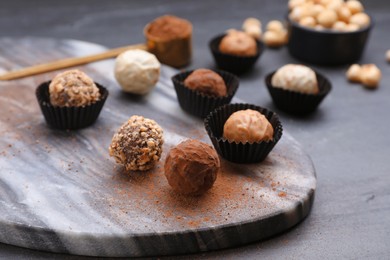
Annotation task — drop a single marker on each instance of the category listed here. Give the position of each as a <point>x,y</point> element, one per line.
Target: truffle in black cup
<point>241,152</point>
<point>198,103</point>
<point>234,63</point>
<point>295,102</point>
<point>74,117</point>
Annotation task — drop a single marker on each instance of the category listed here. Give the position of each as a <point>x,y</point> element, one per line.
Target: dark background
<point>347,138</point>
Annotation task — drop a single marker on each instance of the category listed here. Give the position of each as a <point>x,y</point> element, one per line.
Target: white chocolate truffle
<point>296,78</point>
<point>137,71</point>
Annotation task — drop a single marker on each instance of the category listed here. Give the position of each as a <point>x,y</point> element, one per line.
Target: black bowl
<point>233,63</point>
<point>326,47</point>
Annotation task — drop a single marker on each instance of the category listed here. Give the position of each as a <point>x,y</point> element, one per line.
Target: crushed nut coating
<point>73,88</point>
<point>137,144</point>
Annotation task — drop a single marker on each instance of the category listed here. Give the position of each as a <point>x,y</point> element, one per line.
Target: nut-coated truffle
<point>137,144</point>
<point>73,88</point>
<point>207,82</point>
<point>191,167</point>
<point>296,78</point>
<point>137,71</point>
<point>238,43</point>
<point>247,126</point>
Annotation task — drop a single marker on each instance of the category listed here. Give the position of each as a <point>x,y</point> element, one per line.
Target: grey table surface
<point>347,138</point>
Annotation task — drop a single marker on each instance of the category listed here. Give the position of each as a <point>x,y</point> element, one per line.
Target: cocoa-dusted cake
<point>169,38</point>
<point>137,144</point>
<point>247,126</point>
<point>238,43</point>
<point>191,167</point>
<point>207,82</point>
<point>73,88</point>
<point>72,100</point>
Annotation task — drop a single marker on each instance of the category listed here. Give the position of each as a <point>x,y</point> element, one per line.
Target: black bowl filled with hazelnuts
<point>328,35</point>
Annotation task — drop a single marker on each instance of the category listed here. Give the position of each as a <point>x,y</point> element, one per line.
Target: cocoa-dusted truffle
<point>238,43</point>
<point>247,126</point>
<point>191,167</point>
<point>296,78</point>
<point>73,88</point>
<point>137,144</point>
<point>207,82</point>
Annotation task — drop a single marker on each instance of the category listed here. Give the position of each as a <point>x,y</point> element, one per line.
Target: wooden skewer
<point>66,63</point>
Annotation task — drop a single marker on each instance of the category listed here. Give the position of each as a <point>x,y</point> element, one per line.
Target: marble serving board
<point>61,192</point>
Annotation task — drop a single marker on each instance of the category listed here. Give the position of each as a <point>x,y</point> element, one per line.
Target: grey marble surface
<point>347,138</point>
<point>61,192</point>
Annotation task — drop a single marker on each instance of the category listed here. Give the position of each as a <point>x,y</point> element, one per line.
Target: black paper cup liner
<point>233,63</point>
<point>69,117</point>
<point>241,152</point>
<point>297,103</point>
<point>199,104</point>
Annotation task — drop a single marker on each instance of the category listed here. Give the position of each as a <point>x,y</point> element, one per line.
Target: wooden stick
<point>66,63</point>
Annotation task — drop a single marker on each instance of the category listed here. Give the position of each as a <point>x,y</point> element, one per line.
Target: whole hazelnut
<point>354,73</point>
<point>360,19</point>
<point>370,75</point>
<point>354,6</point>
<point>327,18</point>
<point>340,26</point>
<point>344,14</point>
<point>308,22</point>
<point>275,26</point>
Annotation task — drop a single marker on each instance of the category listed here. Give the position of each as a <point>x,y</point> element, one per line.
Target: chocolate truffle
<point>137,71</point>
<point>137,144</point>
<point>296,78</point>
<point>191,167</point>
<point>73,88</point>
<point>206,81</point>
<point>247,126</point>
<point>169,38</point>
<point>238,43</point>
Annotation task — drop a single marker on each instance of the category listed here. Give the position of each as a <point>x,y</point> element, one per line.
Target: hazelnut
<point>344,14</point>
<point>252,26</point>
<point>354,6</point>
<point>294,3</point>
<point>327,18</point>
<point>339,26</point>
<point>352,27</point>
<point>299,12</point>
<point>275,39</point>
<point>354,73</point>
<point>275,26</point>
<point>335,5</point>
<point>308,22</point>
<point>370,75</point>
<point>388,55</point>
<point>360,19</point>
